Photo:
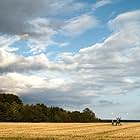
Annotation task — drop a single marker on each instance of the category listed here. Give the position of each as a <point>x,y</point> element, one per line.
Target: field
<point>69,131</point>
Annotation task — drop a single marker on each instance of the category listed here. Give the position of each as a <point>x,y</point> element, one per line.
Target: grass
<point>69,131</point>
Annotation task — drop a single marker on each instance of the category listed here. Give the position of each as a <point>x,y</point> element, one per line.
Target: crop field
<point>69,131</point>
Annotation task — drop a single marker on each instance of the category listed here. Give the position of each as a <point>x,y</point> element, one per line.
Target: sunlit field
<point>68,131</point>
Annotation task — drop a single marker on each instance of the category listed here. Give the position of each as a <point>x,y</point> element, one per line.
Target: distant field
<point>69,131</point>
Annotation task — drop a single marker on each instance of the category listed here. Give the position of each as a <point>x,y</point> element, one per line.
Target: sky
<point>73,54</point>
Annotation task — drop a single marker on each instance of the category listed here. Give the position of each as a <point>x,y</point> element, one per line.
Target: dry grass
<point>68,131</point>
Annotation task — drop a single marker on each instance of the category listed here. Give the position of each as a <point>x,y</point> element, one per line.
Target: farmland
<point>68,131</point>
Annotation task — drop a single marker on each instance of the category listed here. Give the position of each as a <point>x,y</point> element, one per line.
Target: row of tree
<point>12,109</point>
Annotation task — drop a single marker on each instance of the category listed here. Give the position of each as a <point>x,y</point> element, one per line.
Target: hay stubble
<point>67,131</point>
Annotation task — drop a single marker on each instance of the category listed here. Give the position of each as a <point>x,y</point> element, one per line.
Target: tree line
<point>13,110</point>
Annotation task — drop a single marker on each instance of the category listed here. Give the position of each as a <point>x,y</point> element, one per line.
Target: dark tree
<point>9,98</point>
<point>12,109</point>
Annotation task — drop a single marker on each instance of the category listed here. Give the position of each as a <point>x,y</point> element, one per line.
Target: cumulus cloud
<point>16,13</point>
<point>108,68</point>
<point>31,17</point>
<point>110,62</point>
<point>11,62</point>
<point>111,67</point>
<point>21,82</point>
<point>33,89</point>
<point>124,21</point>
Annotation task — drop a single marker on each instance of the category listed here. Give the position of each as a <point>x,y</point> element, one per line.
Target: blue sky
<point>73,54</point>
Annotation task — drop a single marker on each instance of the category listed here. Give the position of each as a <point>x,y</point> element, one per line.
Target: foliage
<point>12,109</point>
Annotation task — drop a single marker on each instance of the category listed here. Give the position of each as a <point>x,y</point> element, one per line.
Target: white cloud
<point>124,21</point>
<point>6,41</point>
<point>42,31</point>
<point>18,83</point>
<point>15,82</point>
<point>107,68</point>
<point>101,3</point>
<point>40,35</point>
<point>32,18</point>
<point>79,25</point>
<point>11,62</point>
<point>111,67</point>
<point>65,44</point>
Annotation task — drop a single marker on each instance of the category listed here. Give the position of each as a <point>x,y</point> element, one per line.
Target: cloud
<point>33,18</point>
<point>79,25</point>
<point>103,69</point>
<point>111,67</point>
<point>16,82</point>
<point>124,21</point>
<point>6,41</point>
<point>107,103</point>
<point>101,3</point>
<point>65,44</point>
<point>17,13</point>
<point>11,62</point>
<point>40,35</point>
<point>33,89</point>
<point>42,30</point>
<point>22,82</point>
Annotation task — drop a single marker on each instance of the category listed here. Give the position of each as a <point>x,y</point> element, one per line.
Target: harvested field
<point>68,131</point>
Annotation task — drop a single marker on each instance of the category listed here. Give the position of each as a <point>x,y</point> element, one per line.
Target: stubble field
<point>69,131</point>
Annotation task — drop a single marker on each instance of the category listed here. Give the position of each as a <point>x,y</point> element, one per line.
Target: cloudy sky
<point>73,54</point>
